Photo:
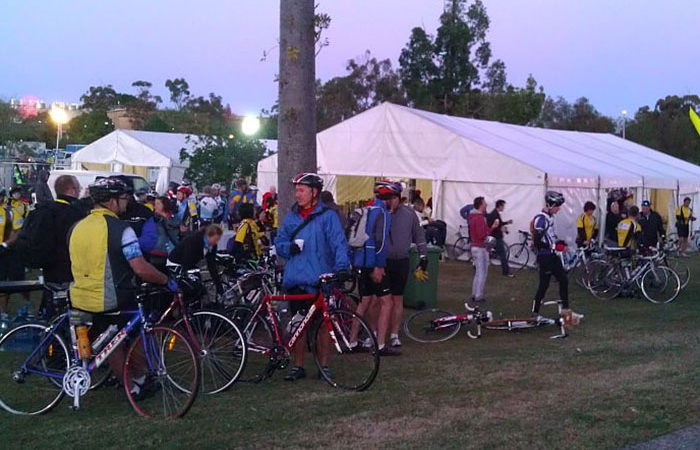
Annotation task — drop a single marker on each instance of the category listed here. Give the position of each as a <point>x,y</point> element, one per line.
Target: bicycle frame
<point>319,305</point>
<point>137,320</point>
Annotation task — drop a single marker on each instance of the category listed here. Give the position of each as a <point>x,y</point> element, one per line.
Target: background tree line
<point>451,72</point>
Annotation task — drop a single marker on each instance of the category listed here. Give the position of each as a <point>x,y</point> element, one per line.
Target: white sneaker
<point>367,343</point>
<point>395,341</point>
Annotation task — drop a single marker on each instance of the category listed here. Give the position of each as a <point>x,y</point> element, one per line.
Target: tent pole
<point>601,216</point>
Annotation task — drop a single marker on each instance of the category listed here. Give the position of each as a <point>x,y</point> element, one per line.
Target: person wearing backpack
<point>312,241</point>
<point>544,240</point>
<point>367,237</point>
<point>160,234</point>
<point>246,244</point>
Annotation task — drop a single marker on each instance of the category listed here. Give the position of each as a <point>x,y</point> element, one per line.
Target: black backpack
<point>36,241</point>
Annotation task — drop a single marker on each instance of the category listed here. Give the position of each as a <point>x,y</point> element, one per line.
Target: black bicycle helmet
<point>553,198</point>
<point>105,188</point>
<point>308,179</point>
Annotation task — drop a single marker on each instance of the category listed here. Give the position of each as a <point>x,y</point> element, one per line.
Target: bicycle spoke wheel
<point>518,256</point>
<point>681,269</point>
<point>462,249</point>
<point>161,374</point>
<point>660,285</point>
<point>221,348</point>
<point>26,383</point>
<point>337,363</point>
<point>259,340</point>
<point>431,325</point>
<point>604,280</point>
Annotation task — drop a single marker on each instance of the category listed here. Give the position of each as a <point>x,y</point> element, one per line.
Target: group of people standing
<point>313,241</point>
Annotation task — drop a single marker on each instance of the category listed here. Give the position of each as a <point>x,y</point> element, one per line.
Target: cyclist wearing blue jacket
<point>370,262</point>
<point>312,241</point>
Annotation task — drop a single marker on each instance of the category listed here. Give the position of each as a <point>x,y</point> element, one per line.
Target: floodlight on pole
<point>250,125</point>
<point>59,116</point>
<point>624,122</point>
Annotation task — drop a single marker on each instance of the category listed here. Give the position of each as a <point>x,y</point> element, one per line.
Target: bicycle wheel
<point>29,362</point>
<point>431,325</point>
<point>164,368</point>
<point>462,249</point>
<point>681,269</point>
<point>604,280</point>
<point>221,347</point>
<point>342,367</point>
<point>259,341</point>
<point>660,284</point>
<point>518,255</point>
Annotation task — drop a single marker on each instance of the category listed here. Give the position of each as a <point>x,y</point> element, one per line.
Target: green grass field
<point>628,373</point>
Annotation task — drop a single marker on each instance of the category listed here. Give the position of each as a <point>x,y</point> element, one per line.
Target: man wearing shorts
<point>370,262</point>
<point>684,219</point>
<point>405,230</point>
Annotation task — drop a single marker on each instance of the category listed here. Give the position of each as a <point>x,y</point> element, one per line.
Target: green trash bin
<point>423,294</point>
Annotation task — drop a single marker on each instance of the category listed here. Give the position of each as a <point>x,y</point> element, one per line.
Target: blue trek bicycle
<point>38,367</point>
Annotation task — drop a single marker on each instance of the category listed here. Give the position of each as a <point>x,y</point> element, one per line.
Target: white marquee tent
<point>137,151</point>
<point>464,158</point>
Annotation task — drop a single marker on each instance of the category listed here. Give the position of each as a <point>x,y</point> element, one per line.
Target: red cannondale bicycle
<point>330,323</point>
<point>434,325</point>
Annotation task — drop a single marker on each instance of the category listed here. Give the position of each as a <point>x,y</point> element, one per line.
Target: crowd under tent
<point>464,158</point>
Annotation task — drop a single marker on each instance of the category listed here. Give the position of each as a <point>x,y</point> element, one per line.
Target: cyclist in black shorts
<point>370,261</point>
<point>405,230</point>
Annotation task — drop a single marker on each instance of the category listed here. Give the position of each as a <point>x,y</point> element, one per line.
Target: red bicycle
<point>329,322</point>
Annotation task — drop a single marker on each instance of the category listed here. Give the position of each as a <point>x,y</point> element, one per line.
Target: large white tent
<point>464,158</point>
<point>127,150</point>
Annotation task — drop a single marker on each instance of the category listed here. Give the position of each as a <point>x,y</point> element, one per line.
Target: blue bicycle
<point>37,366</point>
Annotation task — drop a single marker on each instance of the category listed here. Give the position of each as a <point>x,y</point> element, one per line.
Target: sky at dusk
<point>618,53</point>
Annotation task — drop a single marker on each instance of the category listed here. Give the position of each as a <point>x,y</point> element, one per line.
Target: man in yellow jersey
<point>105,255</point>
<point>246,244</point>
<point>629,231</point>
<point>684,219</point>
<point>10,225</point>
<point>587,226</point>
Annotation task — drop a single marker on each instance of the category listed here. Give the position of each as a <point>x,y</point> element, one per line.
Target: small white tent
<point>137,151</point>
<point>465,158</point>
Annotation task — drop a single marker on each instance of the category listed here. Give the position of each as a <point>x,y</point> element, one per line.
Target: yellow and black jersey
<point>628,231</point>
<point>683,215</point>
<point>9,222</point>
<point>587,227</point>
<point>248,235</point>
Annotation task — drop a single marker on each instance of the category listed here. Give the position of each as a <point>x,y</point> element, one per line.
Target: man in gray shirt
<point>405,230</point>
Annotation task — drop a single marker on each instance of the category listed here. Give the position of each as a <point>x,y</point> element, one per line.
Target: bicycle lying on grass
<point>268,350</point>
<point>37,367</point>
<point>435,325</point>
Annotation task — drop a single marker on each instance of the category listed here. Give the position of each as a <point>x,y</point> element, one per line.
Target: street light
<point>59,116</point>
<point>250,125</point>
<point>624,122</point>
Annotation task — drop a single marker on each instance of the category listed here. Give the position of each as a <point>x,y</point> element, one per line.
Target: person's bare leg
<point>373,314</point>
<point>298,350</point>
<point>323,347</point>
<point>396,313</point>
<point>683,242</point>
<point>362,309</point>
<point>384,319</point>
